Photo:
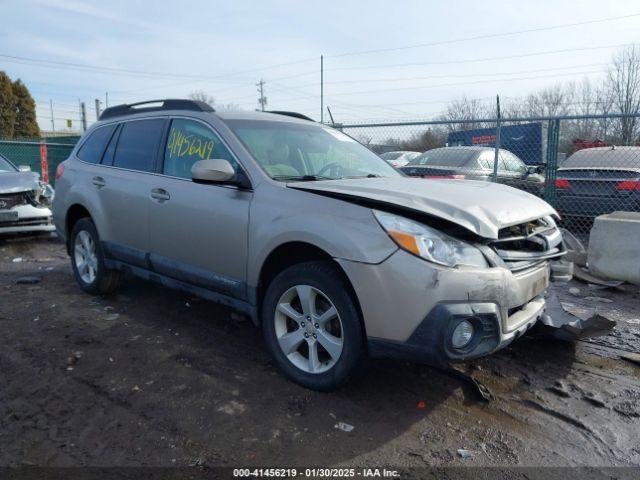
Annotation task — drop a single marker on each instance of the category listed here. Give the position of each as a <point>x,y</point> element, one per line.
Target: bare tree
<point>550,101</point>
<point>624,84</point>
<point>202,96</point>
<point>466,109</point>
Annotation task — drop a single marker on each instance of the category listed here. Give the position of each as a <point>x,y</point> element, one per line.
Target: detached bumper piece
<point>560,324</point>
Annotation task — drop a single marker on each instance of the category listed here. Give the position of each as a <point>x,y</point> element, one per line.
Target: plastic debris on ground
<point>464,453</point>
<point>560,324</point>
<point>345,427</point>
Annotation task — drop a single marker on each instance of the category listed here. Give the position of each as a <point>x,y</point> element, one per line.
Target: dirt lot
<point>153,377</point>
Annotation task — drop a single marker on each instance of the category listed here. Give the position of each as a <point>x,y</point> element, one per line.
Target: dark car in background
<point>476,163</point>
<point>595,181</point>
<point>400,158</point>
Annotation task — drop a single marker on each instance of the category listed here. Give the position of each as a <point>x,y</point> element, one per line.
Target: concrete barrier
<point>614,246</point>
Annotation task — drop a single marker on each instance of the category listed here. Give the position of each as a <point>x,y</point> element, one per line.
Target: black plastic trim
<point>167,105</point>
<point>430,341</point>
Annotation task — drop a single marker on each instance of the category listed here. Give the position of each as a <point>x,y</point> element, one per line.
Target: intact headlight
<point>429,243</point>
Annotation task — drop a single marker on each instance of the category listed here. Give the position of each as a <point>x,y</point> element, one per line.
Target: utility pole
<point>497,150</point>
<point>106,99</point>
<point>262,100</point>
<point>83,116</point>
<point>321,89</point>
<point>53,123</point>
<point>97,109</point>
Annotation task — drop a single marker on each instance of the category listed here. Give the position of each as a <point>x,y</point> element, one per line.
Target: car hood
<point>481,207</point>
<point>14,182</point>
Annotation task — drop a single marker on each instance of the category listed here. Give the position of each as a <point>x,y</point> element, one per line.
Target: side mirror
<point>212,171</point>
<point>24,168</point>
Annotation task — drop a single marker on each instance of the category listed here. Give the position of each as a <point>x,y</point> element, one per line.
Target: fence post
<point>497,150</point>
<point>553,135</point>
<point>44,162</point>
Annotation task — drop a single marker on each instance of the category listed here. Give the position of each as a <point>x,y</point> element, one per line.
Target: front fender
<point>343,230</point>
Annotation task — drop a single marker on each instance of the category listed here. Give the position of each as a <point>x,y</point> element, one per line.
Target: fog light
<point>462,334</point>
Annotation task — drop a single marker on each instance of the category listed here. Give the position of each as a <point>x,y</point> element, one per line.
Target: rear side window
<point>91,150</point>
<point>444,157</point>
<point>138,144</point>
<point>188,142</point>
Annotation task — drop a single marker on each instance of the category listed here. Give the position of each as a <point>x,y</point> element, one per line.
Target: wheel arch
<point>291,253</point>
<point>75,212</point>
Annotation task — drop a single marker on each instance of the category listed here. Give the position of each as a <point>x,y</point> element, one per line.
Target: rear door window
<point>91,150</point>
<point>188,142</point>
<point>138,144</point>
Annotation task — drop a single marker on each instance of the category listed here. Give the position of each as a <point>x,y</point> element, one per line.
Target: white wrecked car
<point>25,201</point>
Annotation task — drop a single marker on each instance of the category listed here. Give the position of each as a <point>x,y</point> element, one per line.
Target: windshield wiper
<point>303,178</point>
<point>369,175</point>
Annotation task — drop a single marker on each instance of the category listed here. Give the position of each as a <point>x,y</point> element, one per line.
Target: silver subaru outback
<point>336,255</point>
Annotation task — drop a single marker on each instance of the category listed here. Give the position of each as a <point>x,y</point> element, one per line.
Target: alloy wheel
<point>308,329</point>
<point>85,258</point>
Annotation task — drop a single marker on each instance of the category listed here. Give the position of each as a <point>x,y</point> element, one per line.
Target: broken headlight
<point>44,196</point>
<point>429,243</point>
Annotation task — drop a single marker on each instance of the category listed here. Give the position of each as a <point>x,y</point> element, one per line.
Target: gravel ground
<point>152,377</point>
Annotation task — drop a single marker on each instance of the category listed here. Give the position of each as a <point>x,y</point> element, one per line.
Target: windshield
<point>445,157</point>
<point>5,166</point>
<point>293,151</point>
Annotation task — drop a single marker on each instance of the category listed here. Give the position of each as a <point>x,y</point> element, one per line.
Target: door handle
<point>160,195</point>
<point>98,182</point>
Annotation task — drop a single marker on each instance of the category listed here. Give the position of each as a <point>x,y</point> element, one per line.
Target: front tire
<point>312,326</point>
<point>87,260</point>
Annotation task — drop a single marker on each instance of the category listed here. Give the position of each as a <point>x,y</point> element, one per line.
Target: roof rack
<point>291,114</point>
<point>156,106</point>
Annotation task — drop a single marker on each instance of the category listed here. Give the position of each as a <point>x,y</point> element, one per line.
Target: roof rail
<point>291,114</point>
<point>156,106</point>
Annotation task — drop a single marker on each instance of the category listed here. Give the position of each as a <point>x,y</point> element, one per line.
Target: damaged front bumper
<point>411,307</point>
<point>26,218</point>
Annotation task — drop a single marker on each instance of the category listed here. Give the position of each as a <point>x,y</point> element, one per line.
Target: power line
<point>124,71</point>
<point>472,75</point>
<point>486,59</point>
<point>487,36</point>
<point>421,87</point>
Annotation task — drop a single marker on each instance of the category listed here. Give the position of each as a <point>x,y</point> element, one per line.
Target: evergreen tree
<point>26,124</point>
<point>7,107</point>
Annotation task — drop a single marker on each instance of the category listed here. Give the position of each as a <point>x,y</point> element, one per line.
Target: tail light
<point>628,185</point>
<point>562,184</point>
<point>454,177</point>
<point>59,170</point>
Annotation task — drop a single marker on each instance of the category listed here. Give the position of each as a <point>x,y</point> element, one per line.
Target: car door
<point>123,187</point>
<point>198,232</point>
<point>516,174</point>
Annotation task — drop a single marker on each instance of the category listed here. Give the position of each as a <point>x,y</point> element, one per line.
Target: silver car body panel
<point>15,182</point>
<point>481,207</point>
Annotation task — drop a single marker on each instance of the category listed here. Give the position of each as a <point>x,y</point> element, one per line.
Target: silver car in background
<point>399,159</point>
<point>336,255</point>
<point>25,201</point>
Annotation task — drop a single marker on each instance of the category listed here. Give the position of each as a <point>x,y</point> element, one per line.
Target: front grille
<point>10,200</point>
<point>528,244</point>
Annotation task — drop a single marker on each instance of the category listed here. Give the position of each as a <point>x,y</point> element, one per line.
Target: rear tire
<point>312,326</point>
<point>87,260</point>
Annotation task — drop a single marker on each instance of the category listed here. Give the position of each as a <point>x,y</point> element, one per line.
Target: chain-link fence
<point>584,166</point>
<point>41,155</point>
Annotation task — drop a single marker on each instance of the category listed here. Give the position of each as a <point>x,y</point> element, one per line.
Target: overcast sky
<point>225,47</point>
